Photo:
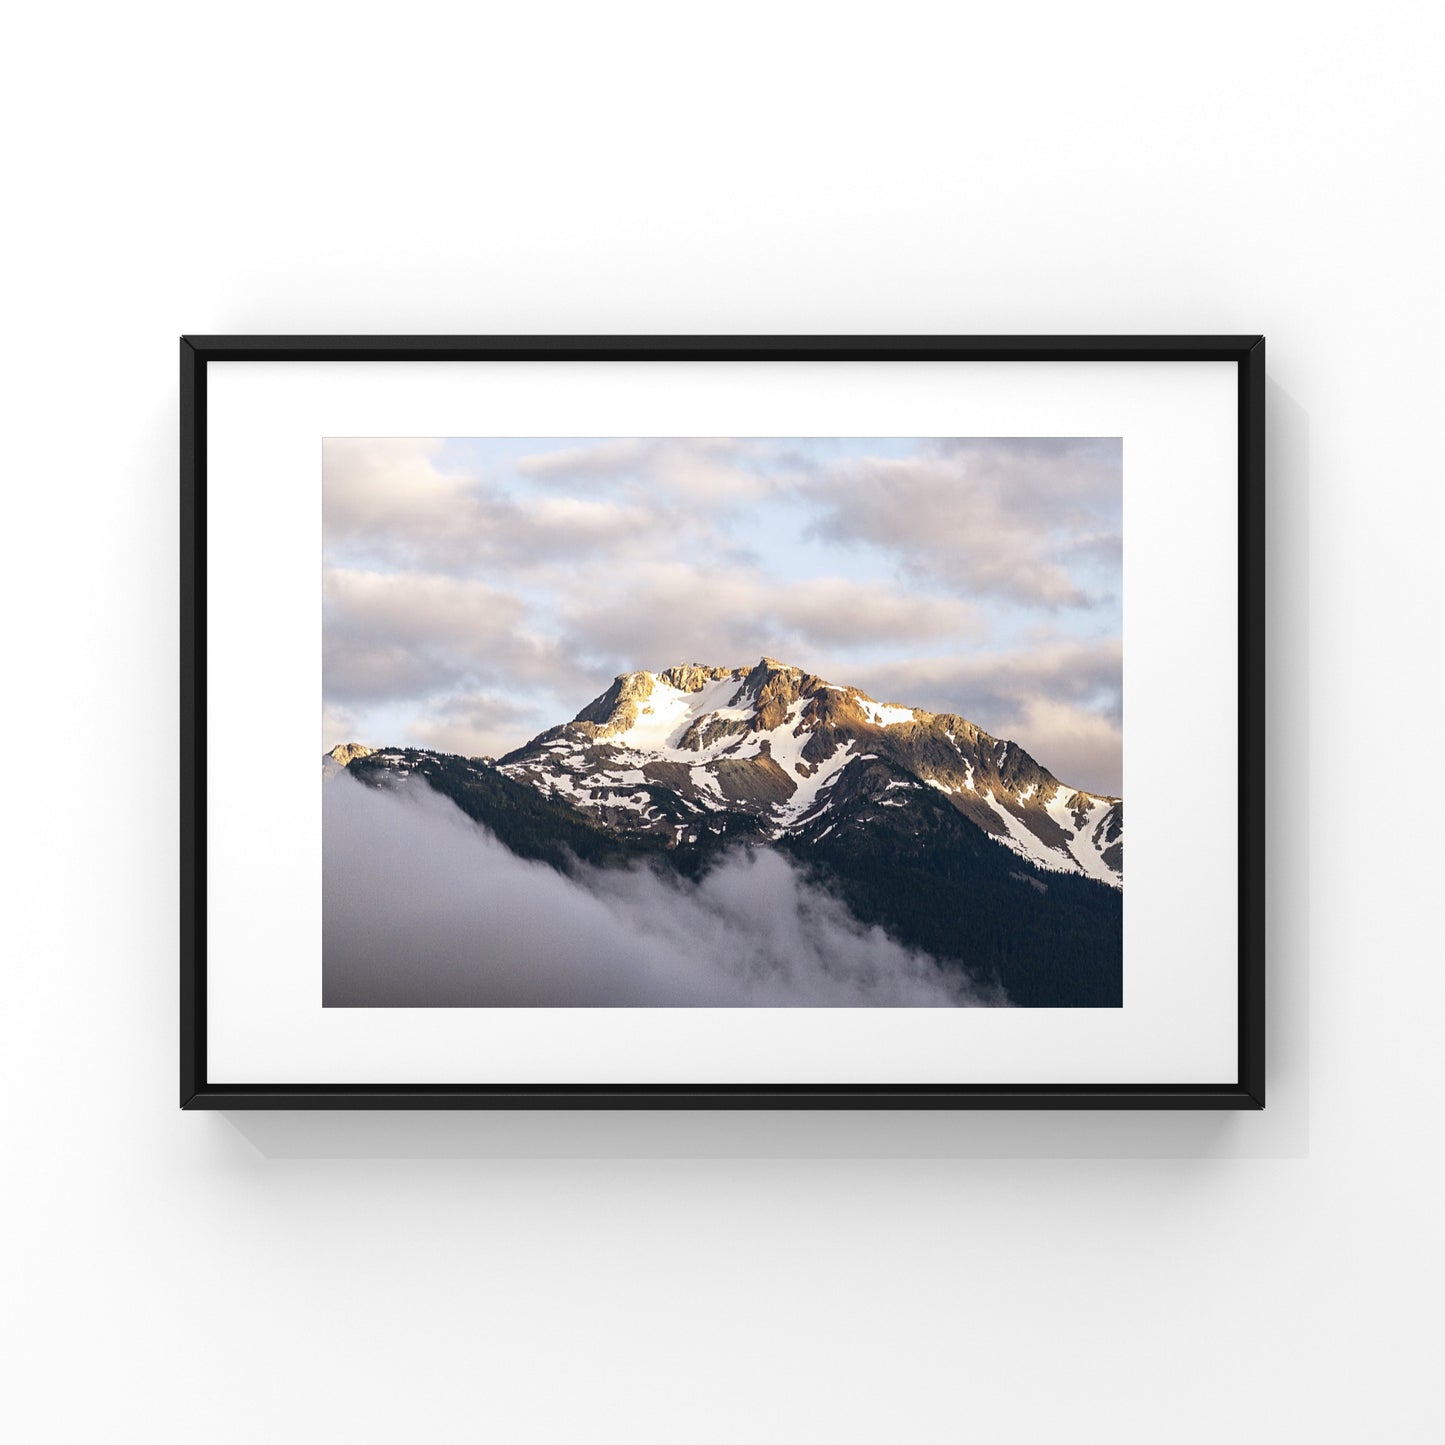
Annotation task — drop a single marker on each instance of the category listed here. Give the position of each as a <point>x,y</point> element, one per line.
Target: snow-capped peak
<point>778,748</point>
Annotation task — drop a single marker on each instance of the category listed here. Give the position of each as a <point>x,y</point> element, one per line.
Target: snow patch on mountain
<point>806,796</point>
<point>884,714</point>
<point>1087,848</point>
<point>787,741</point>
<point>665,717</point>
<point>1026,843</point>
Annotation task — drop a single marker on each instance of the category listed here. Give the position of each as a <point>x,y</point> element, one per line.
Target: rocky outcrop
<point>776,687</point>
<point>750,782</point>
<point>708,731</point>
<point>693,676</point>
<point>616,710</point>
<point>343,755</point>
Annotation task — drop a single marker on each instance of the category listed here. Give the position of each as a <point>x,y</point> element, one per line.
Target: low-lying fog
<point>425,908</point>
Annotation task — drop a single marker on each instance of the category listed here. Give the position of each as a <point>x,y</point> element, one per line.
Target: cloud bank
<point>1023,519</point>
<point>424,908</point>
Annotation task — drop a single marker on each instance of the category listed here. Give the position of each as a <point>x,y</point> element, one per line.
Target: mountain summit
<point>696,752</point>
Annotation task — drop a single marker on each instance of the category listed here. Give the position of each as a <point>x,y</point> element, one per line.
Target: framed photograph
<point>722,722</point>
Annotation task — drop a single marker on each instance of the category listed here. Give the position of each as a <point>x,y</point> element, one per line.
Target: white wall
<point>743,168</point>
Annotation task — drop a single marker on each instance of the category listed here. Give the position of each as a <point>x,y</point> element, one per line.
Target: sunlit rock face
<point>343,755</point>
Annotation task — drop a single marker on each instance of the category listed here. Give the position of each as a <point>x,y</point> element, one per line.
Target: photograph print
<point>722,722</point>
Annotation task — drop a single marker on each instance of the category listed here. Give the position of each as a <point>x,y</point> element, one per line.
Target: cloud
<point>672,611</point>
<point>393,636</point>
<point>423,908</point>
<point>375,486</point>
<point>1041,472</point>
<point>386,502</point>
<point>338,725</point>
<point>1062,701</point>
<point>1027,520</point>
<point>1078,746</point>
<point>708,469</point>
<point>477,725</point>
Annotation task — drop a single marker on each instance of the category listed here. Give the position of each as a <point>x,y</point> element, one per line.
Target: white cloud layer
<point>424,908</point>
<point>706,469</point>
<point>1013,519</point>
<point>681,610</point>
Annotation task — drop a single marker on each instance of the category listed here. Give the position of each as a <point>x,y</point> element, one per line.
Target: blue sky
<point>479,590</point>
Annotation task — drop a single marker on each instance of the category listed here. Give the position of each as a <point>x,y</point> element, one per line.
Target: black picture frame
<point>1247,352</point>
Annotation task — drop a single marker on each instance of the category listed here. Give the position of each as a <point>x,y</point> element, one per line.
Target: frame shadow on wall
<point>1280,1131</point>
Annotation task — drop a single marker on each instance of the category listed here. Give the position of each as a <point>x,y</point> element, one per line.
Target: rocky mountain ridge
<point>693,750</point>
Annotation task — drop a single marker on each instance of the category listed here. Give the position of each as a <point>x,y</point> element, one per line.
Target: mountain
<point>792,752</point>
<point>955,842</point>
